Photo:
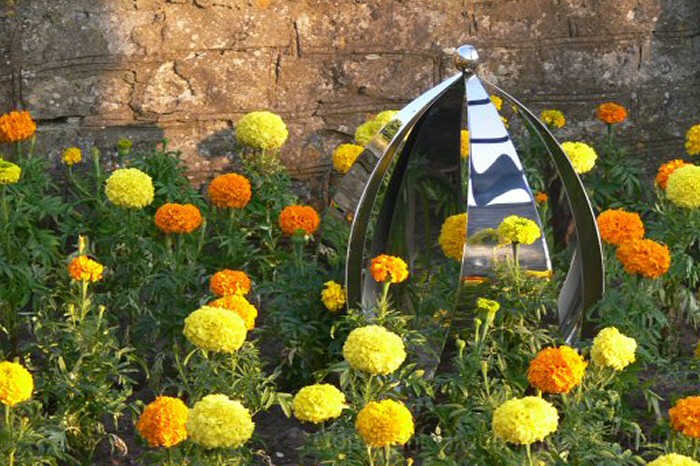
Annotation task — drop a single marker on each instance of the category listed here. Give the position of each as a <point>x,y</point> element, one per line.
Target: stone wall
<point>94,70</point>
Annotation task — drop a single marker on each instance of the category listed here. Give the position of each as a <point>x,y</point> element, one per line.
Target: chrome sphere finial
<point>466,58</point>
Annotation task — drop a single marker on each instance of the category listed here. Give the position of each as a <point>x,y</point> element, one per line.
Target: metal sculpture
<point>389,190</point>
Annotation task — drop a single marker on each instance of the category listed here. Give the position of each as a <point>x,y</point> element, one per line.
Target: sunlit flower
<point>611,113</point>
<point>682,188</point>
<point>219,422</point>
<point>175,218</point>
<point>345,155</point>
<point>556,370</point>
<point>240,305</point>
<point>72,155</point>
<point>9,172</point>
<point>665,171</point>
<point>581,155</point>
<point>230,191</point>
<point>685,416</point>
<point>296,218</point>
<point>453,236</point>
<point>553,118</point>
<point>613,349</point>
<point>215,329</point>
<point>262,130</point>
<point>388,268</point>
<point>318,403</point>
<point>367,130</point>
<point>518,230</point>
<point>384,423</point>
<point>464,143</point>
<point>526,420</point>
<point>673,459</point>
<point>129,188</point>
<point>333,296</point>
<point>644,257</point>
<point>16,383</point>
<point>162,422</point>
<point>692,140</point>
<point>227,282</point>
<point>82,268</point>
<point>541,197</point>
<point>497,101</point>
<point>617,226</point>
<point>374,349</point>
<point>16,126</point>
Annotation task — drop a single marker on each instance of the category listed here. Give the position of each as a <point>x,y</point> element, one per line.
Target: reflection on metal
<point>411,177</point>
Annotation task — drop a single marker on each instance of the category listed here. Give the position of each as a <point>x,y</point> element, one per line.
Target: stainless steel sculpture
<point>390,190</point>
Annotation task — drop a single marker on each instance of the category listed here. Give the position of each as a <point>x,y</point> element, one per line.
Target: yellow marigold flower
<point>230,191</point>
<point>384,423</point>
<point>215,329</point>
<point>682,188</point>
<point>644,257</point>
<point>219,422</point>
<point>541,197</point>
<point>16,383</point>
<point>613,349</point>
<point>227,282</point>
<point>129,188</point>
<point>345,155</point>
<point>553,118</point>
<point>82,268</point>
<point>488,306</point>
<point>374,349</point>
<point>391,268</point>
<point>72,155</point>
<point>453,236</point>
<point>240,306</point>
<point>299,217</point>
<point>318,403</point>
<point>617,226</point>
<point>673,459</point>
<point>464,143</point>
<point>333,296</point>
<point>9,172</point>
<point>665,171</point>
<point>692,140</point>
<point>581,155</point>
<point>556,370</point>
<point>525,420</point>
<point>518,230</point>
<point>162,422</point>
<point>178,218</point>
<point>367,130</point>
<point>262,130</point>
<point>611,113</point>
<point>16,126</point>
<point>497,101</point>
<point>685,416</point>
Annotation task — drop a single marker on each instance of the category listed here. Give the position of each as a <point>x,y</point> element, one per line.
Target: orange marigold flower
<point>163,422</point>
<point>388,268</point>
<point>685,416</point>
<point>611,113</point>
<point>541,197</point>
<point>228,282</point>
<point>16,126</point>
<point>617,226</point>
<point>178,218</point>
<point>82,268</point>
<point>230,191</point>
<point>644,257</point>
<point>666,169</point>
<point>299,217</point>
<point>556,370</point>
<point>240,306</point>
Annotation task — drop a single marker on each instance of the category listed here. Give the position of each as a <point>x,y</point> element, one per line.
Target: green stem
<point>83,299</point>
<point>387,455</point>
<point>8,424</point>
<point>368,389</point>
<point>369,456</point>
<point>18,150</point>
<point>529,454</point>
<point>383,303</point>
<point>516,255</point>
<point>5,207</point>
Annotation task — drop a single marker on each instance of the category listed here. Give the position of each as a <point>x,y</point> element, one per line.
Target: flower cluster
<point>72,155</point>
<point>617,226</point>
<point>345,155</point>
<point>16,383</point>
<point>216,421</point>
<point>692,140</point>
<point>215,329</point>
<point>453,236</point>
<point>553,118</point>
<point>367,130</point>
<point>611,113</point>
<point>175,218</point>
<point>556,370</point>
<point>129,188</point>
<point>301,218</point>
<point>388,268</point>
<point>644,257</point>
<point>240,306</point>
<point>318,403</point>
<point>230,191</point>
<point>682,188</point>
<point>581,155</point>
<point>227,282</point>
<point>665,171</point>
<point>374,349</point>
<point>518,230</point>
<point>541,197</point>
<point>16,126</point>
<point>82,268</point>
<point>262,130</point>
<point>384,423</point>
<point>162,422</point>
<point>685,416</point>
<point>613,349</point>
<point>333,296</point>
<point>9,172</point>
<point>673,459</point>
<point>525,420</point>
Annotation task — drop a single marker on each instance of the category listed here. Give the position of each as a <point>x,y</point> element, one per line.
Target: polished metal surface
<point>466,59</point>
